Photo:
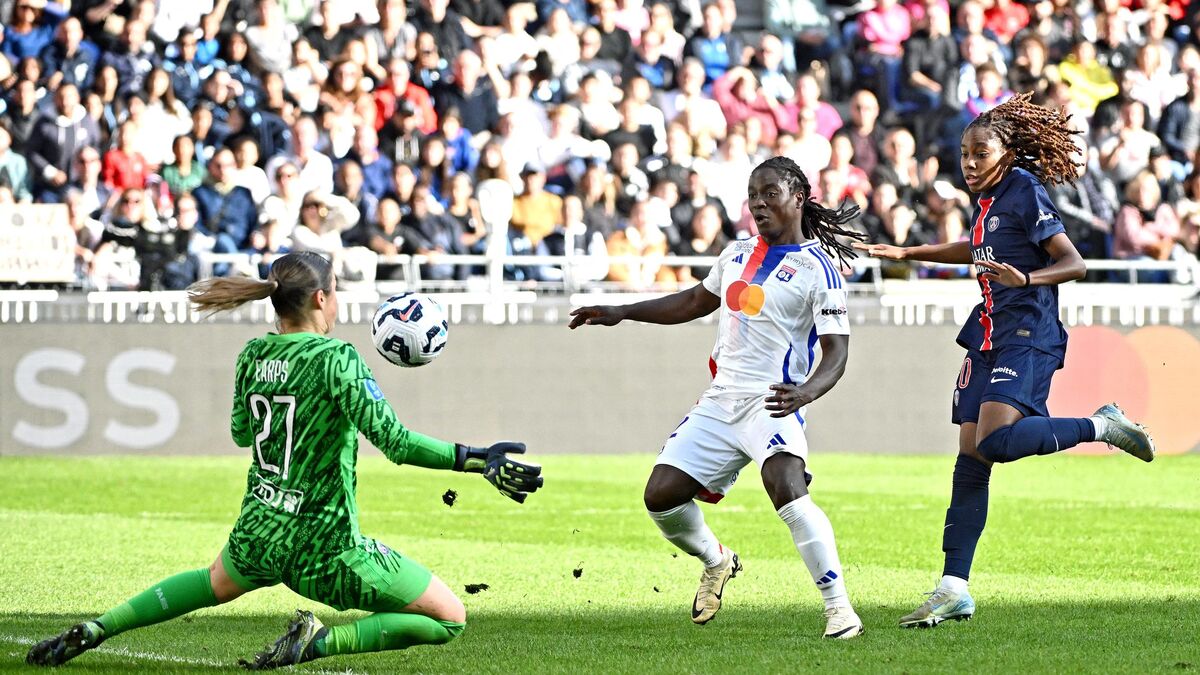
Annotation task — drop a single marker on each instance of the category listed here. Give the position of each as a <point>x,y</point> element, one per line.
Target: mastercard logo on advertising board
<point>1152,372</point>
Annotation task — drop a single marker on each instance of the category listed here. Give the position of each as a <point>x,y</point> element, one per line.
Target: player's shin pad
<point>512,478</point>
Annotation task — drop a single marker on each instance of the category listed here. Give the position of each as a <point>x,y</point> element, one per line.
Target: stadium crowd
<point>619,128</point>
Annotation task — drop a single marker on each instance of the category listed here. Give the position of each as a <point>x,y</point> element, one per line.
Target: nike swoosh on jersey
<point>1002,379</point>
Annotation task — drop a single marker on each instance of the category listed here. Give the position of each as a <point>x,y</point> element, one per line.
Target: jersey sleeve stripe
<point>832,277</point>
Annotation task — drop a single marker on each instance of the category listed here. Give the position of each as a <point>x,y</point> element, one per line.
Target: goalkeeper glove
<point>512,478</point>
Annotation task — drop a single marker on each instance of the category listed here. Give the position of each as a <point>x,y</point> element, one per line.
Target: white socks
<point>1101,426</point>
<point>684,526</point>
<point>813,534</point>
<point>953,583</point>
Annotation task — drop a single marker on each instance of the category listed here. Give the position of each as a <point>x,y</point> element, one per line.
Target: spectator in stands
<point>662,21</point>
<point>535,211</point>
<point>774,77</point>
<point>576,11</point>
<point>808,34</point>
<point>717,50</point>
<point>322,220</point>
<point>929,71</point>
<point>22,114</point>
<point>1031,71</point>
<point>468,91</point>
<point>1127,151</point>
<point>70,58</point>
<point>641,136</point>
<point>464,208</point>
<point>266,44</point>
<point>115,261</point>
<point>558,42</point>
<point>31,29</point>
<point>348,183</point>
<point>376,168</point>
<point>1006,18</point>
<point>629,181</point>
<point>1087,210</point>
<point>741,98</point>
<point>643,240</point>
<point>399,87</point>
<point>862,131</point>
<point>124,166</point>
<point>564,151</point>
<point>87,235</point>
<point>316,169</point>
<point>247,173</point>
<point>649,61</point>
<point>1146,228</point>
<point>393,37</point>
<point>227,210</point>
<point>186,173</point>
<point>705,238</point>
<point>692,107</point>
<point>841,160</point>
<point>1090,81</point>
<point>436,234</point>
<point>811,151</point>
<point>164,118</point>
<point>386,237</point>
<point>14,170</point>
<point>1152,82</point>
<point>328,37</point>
<point>1179,129</point>
<point>615,43</point>
<point>134,59</point>
<point>884,29</point>
<point>187,67</point>
<point>55,140</point>
<point>597,194</point>
<point>445,26</point>
<point>513,47</point>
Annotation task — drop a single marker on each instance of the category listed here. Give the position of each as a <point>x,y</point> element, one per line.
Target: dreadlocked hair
<point>818,222</point>
<point>1043,139</point>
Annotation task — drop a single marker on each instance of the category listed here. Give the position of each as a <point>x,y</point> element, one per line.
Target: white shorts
<point>716,440</point>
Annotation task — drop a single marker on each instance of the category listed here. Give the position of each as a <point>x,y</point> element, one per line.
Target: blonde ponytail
<point>224,293</point>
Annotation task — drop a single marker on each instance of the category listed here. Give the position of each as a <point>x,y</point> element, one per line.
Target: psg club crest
<point>993,223</point>
<point>785,274</point>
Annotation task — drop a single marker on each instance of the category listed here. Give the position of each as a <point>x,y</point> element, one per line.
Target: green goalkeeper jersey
<point>300,400</point>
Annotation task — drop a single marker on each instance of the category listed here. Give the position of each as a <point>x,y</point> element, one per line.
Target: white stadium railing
<point>486,296</point>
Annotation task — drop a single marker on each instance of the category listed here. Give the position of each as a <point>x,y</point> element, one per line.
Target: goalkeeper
<point>300,399</point>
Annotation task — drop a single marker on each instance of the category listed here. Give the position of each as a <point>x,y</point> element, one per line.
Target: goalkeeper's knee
<point>453,630</point>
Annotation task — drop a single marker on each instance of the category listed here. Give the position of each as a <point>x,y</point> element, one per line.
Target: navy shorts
<point>1015,375</point>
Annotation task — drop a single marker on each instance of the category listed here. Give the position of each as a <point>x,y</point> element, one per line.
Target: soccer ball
<point>409,329</point>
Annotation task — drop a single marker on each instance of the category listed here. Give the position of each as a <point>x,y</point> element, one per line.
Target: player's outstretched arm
<point>681,307</point>
<point>954,253</point>
<point>513,479</point>
<point>786,399</point>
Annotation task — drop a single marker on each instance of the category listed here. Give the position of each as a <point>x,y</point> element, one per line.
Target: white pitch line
<point>130,653</point>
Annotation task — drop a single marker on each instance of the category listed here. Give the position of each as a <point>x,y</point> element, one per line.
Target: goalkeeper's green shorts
<point>370,576</point>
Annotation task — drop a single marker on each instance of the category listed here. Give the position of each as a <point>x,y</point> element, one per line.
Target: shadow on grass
<point>1135,636</point>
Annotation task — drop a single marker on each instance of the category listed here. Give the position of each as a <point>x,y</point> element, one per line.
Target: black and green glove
<point>512,478</point>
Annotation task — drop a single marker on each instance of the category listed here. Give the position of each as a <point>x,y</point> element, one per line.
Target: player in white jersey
<point>780,294</point>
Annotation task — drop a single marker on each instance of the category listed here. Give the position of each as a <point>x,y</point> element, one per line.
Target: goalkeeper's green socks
<point>172,597</point>
<point>385,631</point>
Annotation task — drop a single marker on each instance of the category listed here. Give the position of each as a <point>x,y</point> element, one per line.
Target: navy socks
<point>966,516</point>
<point>1036,436</point>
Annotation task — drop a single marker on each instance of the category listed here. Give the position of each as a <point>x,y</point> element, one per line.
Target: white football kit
<point>775,303</point>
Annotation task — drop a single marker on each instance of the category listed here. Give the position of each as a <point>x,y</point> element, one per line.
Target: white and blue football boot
<point>943,604</point>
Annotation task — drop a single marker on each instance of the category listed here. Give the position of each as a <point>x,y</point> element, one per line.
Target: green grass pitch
<point>1088,564</point>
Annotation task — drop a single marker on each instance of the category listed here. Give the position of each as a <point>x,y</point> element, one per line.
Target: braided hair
<point>818,222</point>
<point>1041,138</point>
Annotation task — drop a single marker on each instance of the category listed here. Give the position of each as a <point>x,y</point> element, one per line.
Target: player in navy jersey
<point>779,294</point>
<point>1013,338</point>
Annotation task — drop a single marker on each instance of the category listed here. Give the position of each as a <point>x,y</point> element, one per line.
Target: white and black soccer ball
<point>409,329</point>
